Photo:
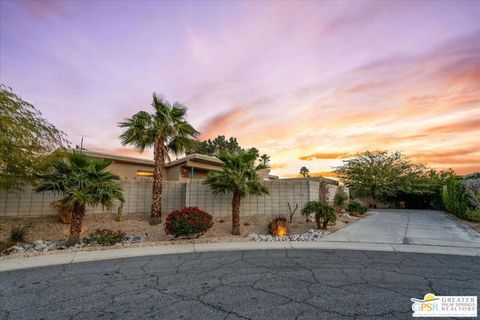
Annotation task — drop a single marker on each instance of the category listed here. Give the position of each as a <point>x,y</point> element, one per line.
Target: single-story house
<point>191,167</point>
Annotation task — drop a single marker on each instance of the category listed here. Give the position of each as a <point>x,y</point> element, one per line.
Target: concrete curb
<point>75,257</point>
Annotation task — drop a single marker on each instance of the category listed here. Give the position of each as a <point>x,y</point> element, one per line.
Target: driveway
<point>424,227</point>
<point>265,284</point>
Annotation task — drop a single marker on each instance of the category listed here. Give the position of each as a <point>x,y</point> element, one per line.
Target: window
<point>185,173</point>
<point>142,173</point>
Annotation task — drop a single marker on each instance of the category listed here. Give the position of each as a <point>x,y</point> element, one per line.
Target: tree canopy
<point>27,141</point>
<point>389,176</point>
<point>213,147</point>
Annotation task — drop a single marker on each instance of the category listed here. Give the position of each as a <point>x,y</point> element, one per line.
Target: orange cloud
<point>457,127</point>
<point>341,155</point>
<point>222,123</point>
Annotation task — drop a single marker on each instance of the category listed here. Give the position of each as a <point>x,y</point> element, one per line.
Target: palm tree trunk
<point>159,157</point>
<point>325,223</point>
<point>78,212</point>
<point>236,213</point>
<point>317,220</point>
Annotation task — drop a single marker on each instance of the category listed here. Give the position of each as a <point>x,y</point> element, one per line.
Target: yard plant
<point>105,237</point>
<point>18,234</point>
<point>27,141</point>
<point>356,207</point>
<point>166,130</point>
<point>82,180</point>
<point>340,201</point>
<point>189,222</point>
<point>323,213</point>
<point>239,176</point>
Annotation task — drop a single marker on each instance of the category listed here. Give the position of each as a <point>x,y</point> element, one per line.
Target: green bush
<point>473,215</point>
<point>105,237</point>
<point>340,200</point>
<point>18,234</point>
<point>356,207</point>
<point>454,198</point>
<point>322,211</point>
<point>188,223</point>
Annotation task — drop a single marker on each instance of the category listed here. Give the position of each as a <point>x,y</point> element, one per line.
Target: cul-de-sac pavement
<point>276,284</point>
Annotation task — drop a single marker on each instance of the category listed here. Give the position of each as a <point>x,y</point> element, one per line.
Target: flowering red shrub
<point>189,222</point>
<point>105,237</point>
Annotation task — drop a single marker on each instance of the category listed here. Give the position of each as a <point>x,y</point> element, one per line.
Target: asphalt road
<point>283,284</point>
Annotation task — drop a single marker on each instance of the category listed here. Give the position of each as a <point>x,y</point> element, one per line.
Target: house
<point>195,166</point>
<point>192,167</point>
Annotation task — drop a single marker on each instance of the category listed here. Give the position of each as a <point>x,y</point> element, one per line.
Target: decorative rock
<point>345,217</point>
<point>252,236</point>
<point>40,246</point>
<point>18,248</point>
<point>311,235</point>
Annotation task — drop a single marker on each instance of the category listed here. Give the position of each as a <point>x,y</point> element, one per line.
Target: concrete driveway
<point>424,227</point>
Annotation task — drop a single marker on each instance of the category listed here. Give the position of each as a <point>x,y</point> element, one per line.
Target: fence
<point>176,195</point>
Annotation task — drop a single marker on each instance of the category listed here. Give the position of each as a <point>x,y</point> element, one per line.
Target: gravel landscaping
<point>47,234</point>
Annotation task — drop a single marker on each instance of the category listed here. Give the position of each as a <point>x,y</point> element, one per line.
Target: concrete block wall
<point>177,195</point>
<point>138,199</point>
<point>276,203</point>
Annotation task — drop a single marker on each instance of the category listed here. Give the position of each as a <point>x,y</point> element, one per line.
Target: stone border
<point>83,256</point>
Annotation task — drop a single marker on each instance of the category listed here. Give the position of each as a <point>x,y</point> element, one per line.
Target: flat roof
<point>197,157</point>
<point>148,162</point>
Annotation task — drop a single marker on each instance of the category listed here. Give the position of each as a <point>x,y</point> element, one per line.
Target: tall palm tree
<point>166,130</point>
<point>238,176</point>
<point>82,181</point>
<point>305,172</point>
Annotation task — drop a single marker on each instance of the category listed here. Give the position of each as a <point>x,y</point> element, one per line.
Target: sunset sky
<point>309,83</point>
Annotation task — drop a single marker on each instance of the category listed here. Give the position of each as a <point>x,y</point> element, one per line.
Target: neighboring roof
<point>197,157</point>
<point>148,162</point>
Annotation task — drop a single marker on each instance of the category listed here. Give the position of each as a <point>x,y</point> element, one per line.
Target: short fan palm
<point>322,211</point>
<point>82,181</point>
<point>166,130</point>
<point>239,176</point>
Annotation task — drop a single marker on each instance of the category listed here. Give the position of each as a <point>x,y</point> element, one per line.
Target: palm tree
<point>305,172</point>
<point>167,131</point>
<point>238,176</point>
<point>82,181</point>
<point>322,211</point>
<point>265,160</point>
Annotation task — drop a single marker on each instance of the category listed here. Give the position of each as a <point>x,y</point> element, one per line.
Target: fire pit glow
<point>278,227</point>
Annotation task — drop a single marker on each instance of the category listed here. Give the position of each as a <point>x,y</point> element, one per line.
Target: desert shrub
<point>323,213</point>
<point>187,223</point>
<point>105,237</point>
<point>356,207</point>
<point>455,198</point>
<point>340,200</point>
<point>18,234</point>
<point>473,215</point>
<point>4,248</point>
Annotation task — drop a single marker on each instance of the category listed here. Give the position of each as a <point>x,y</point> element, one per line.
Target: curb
<point>75,257</point>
